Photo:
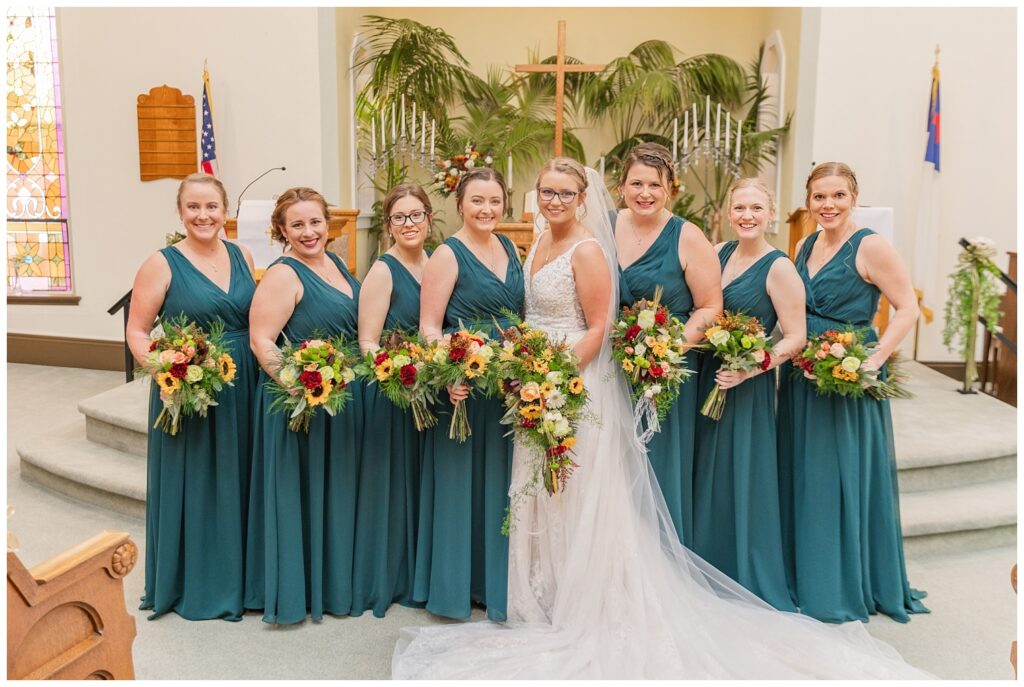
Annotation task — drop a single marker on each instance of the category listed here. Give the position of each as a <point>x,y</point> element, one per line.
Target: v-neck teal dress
<point>736,523</point>
<point>837,469</point>
<point>303,503</point>
<point>671,450</point>
<point>197,481</point>
<point>389,477</point>
<point>462,555</point>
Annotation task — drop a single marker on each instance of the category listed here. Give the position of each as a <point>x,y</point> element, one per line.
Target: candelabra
<point>715,161</point>
<point>405,143</point>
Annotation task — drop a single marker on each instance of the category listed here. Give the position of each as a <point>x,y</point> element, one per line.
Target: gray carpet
<point>966,636</point>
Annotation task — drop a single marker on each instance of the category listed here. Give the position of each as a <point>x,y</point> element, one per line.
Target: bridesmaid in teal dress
<point>656,248</point>
<point>197,484</point>
<point>303,506</point>
<point>837,464</point>
<point>461,555</point>
<point>736,493</point>
<point>389,477</point>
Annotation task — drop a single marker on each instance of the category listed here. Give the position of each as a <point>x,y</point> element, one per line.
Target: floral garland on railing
<point>975,289</point>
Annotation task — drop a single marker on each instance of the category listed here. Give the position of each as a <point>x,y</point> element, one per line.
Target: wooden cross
<point>559,68</point>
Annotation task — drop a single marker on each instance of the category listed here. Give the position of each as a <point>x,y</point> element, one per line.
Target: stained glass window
<point>38,255</point>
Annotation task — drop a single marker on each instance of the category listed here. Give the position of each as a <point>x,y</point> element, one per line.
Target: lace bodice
<point>551,301</point>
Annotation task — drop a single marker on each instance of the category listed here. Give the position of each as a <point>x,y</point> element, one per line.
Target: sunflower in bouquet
<point>462,357</point>
<point>544,399</point>
<point>740,342</point>
<point>190,365</point>
<point>834,362</point>
<point>311,375</point>
<point>650,348</point>
<point>396,367</point>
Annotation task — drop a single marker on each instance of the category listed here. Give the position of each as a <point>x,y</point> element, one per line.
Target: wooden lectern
<point>341,229</point>
<point>66,618</point>
<point>520,232</point>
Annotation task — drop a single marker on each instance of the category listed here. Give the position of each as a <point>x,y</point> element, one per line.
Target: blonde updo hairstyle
<point>202,178</point>
<point>287,199</point>
<point>832,169</point>
<point>751,182</point>
<point>480,174</point>
<point>653,155</point>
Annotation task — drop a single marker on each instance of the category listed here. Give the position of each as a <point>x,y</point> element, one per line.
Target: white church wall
<point>265,76</point>
<point>870,105</point>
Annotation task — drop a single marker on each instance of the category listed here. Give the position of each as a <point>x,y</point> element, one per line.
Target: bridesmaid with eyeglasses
<point>389,477</point>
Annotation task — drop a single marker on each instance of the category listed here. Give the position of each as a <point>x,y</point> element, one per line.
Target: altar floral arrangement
<point>312,375</point>
<point>462,357</point>
<point>544,398</point>
<point>190,365</point>
<point>455,166</point>
<point>834,362</point>
<point>649,345</point>
<point>396,368</point>
<point>740,342</point>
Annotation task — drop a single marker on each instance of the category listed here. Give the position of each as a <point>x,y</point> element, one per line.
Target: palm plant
<point>643,91</point>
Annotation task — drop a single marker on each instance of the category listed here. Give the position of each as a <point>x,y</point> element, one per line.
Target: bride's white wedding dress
<point>599,585</point>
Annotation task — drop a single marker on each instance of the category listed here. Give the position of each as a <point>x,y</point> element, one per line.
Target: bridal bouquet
<point>833,362</point>
<point>740,342</point>
<point>462,357</point>
<point>648,344</point>
<point>396,368</point>
<point>544,398</point>
<point>313,374</point>
<point>190,366</point>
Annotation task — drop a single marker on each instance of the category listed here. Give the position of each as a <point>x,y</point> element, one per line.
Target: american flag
<point>209,143</point>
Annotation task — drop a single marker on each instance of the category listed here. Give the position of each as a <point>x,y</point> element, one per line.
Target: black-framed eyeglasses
<point>548,194</point>
<point>399,220</point>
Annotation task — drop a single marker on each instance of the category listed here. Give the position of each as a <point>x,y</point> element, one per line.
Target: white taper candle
<point>675,138</point>
<point>718,122</point>
<point>728,132</point>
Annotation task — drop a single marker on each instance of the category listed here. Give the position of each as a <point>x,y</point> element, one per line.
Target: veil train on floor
<point>631,601</point>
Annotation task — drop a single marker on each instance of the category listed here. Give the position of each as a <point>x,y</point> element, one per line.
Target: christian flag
<point>926,237</point>
<point>931,153</point>
<point>208,142</point>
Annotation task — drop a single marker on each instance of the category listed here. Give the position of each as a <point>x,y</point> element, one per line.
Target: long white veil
<point>631,601</point>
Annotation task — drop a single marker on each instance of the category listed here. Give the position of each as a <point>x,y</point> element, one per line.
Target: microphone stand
<point>238,205</point>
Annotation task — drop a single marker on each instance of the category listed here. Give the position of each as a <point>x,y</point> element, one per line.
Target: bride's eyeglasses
<point>399,220</point>
<point>548,195</point>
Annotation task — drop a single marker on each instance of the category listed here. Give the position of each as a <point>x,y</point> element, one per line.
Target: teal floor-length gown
<point>461,555</point>
<point>303,502</point>
<point>837,469</point>
<point>197,481</point>
<point>389,477</point>
<point>670,450</point>
<point>736,523</point>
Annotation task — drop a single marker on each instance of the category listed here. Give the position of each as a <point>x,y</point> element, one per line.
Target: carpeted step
<point>945,438</point>
<point>118,418</point>
<point>973,516</point>
<point>68,463</point>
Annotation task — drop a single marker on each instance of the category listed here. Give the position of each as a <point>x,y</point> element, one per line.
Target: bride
<point>599,585</point>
